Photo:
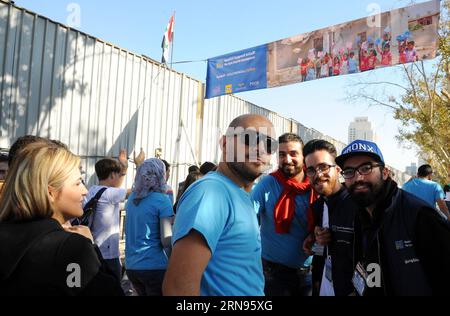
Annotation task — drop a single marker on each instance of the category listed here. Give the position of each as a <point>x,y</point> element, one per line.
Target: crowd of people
<point>322,224</point>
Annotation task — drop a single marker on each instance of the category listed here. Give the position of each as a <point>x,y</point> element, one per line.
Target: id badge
<point>328,273</point>
<point>317,249</point>
<point>359,279</point>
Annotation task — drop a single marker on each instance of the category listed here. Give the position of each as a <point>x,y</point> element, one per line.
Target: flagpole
<point>173,40</point>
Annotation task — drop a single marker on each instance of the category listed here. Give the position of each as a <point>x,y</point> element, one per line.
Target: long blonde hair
<point>38,167</point>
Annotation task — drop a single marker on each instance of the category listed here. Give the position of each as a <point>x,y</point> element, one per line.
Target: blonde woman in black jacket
<point>43,190</point>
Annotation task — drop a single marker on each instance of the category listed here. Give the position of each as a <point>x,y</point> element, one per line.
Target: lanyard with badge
<point>326,224</point>
<point>317,249</point>
<point>360,274</point>
<point>326,286</point>
<point>320,250</point>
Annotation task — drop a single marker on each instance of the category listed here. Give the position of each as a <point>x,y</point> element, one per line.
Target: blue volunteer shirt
<point>143,248</point>
<point>426,190</point>
<point>286,249</point>
<point>223,213</point>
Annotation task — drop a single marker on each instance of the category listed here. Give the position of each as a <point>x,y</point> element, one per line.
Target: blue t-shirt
<point>223,213</point>
<point>143,248</point>
<point>286,249</point>
<point>426,190</point>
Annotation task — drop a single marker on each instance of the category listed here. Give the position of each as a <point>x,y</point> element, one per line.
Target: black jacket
<point>35,257</point>
<point>341,210</point>
<point>409,240</point>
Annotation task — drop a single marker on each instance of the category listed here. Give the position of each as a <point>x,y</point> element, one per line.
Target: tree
<point>424,107</point>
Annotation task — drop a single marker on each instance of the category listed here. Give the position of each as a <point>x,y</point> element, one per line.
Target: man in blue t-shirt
<point>427,190</point>
<point>282,201</point>
<point>216,239</point>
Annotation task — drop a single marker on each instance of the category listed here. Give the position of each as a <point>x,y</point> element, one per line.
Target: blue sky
<point>208,28</point>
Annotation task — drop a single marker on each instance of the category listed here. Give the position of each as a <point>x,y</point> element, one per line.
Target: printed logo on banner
<point>237,72</point>
<point>241,87</point>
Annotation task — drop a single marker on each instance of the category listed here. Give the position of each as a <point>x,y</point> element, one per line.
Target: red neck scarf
<point>285,208</point>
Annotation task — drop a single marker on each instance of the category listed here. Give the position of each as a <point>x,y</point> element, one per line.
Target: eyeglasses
<point>363,170</point>
<point>322,168</point>
<point>253,138</point>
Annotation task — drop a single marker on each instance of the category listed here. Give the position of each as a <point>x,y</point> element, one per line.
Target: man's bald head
<point>251,120</point>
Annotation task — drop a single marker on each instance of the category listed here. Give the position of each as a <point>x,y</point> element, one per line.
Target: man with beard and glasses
<point>216,238</point>
<point>402,245</point>
<point>334,214</point>
<point>282,200</point>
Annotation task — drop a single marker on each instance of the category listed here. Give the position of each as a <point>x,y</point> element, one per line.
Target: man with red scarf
<point>283,201</point>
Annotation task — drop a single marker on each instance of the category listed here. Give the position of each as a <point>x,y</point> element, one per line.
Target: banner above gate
<point>396,37</point>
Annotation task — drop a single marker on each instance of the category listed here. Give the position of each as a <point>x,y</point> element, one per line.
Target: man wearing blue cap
<point>402,246</point>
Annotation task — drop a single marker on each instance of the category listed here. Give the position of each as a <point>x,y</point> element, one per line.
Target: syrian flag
<point>167,40</point>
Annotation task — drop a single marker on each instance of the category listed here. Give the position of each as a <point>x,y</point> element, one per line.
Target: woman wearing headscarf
<point>44,190</point>
<point>148,229</point>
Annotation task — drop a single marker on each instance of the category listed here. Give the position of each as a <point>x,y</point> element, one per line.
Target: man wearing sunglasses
<point>334,214</point>
<point>282,200</point>
<point>216,239</point>
<point>402,245</point>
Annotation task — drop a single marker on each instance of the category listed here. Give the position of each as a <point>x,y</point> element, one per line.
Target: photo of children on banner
<point>356,57</point>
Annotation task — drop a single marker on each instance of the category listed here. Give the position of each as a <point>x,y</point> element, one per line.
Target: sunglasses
<point>252,138</point>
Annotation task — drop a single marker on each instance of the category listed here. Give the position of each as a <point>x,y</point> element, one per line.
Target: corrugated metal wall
<point>60,83</point>
<point>95,97</point>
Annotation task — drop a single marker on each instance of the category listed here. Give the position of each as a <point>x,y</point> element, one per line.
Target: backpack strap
<point>98,195</point>
<point>95,201</point>
<point>88,208</point>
